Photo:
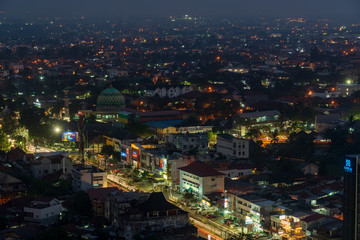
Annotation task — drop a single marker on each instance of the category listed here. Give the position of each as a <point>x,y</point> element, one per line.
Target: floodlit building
<point>201,179</point>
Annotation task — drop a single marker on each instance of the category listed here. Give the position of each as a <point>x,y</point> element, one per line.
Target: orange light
<point>217,58</point>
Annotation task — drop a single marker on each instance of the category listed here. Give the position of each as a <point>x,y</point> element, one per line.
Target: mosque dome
<point>110,100</point>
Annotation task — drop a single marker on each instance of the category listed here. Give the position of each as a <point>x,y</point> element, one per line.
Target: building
<point>97,197</point>
<point>119,202</point>
<point>232,146</point>
<point>108,105</point>
<point>187,142</point>
<point>351,199</point>
<point>110,100</point>
<point>45,211</point>
<point>288,225</point>
<point>251,207</point>
<point>129,115</point>
<point>45,165</point>
<point>201,179</point>
<point>169,92</point>
<point>85,177</point>
<point>10,184</point>
<point>345,90</point>
<point>153,217</point>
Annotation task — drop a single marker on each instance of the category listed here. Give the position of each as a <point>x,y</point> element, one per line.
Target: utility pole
<point>81,136</point>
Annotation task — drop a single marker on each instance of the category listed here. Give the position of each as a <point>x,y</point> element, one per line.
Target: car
<point>193,208</point>
<point>210,216</point>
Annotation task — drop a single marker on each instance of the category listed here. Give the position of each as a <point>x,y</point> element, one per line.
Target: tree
<point>82,204</point>
<point>56,233</point>
<point>188,197</point>
<point>108,150</point>
<point>4,141</point>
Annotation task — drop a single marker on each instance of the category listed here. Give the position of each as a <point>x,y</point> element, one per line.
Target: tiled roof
<point>313,218</point>
<point>201,169</point>
<point>157,202</point>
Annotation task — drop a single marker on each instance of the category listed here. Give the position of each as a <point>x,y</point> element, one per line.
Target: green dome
<point>110,100</point>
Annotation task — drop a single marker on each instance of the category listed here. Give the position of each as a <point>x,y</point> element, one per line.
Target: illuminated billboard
<point>70,137</point>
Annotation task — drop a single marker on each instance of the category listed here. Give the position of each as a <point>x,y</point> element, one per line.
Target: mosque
<point>109,103</point>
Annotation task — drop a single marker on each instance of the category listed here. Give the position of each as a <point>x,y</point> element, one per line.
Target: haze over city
<point>227,8</point>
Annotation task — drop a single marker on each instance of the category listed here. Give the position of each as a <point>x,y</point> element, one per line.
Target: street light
<point>57,129</point>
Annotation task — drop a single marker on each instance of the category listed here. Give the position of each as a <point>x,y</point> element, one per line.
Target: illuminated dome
<point>110,100</point>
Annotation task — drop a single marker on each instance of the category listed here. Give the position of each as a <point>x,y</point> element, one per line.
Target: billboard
<point>70,137</point>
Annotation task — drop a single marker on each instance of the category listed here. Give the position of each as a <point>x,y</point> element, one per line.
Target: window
<point>212,179</point>
<point>234,152</point>
<point>234,145</point>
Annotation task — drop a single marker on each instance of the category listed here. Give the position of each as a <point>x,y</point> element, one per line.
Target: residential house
<point>45,211</point>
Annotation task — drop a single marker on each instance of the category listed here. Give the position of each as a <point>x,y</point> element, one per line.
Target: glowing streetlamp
<point>57,129</point>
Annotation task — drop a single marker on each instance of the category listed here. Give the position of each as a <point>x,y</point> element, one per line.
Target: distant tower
<point>67,102</point>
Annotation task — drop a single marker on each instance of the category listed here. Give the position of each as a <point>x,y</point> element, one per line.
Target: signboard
<point>70,137</point>
<point>123,154</point>
<point>347,167</point>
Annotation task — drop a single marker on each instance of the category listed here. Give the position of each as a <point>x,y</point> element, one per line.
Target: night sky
<point>239,8</point>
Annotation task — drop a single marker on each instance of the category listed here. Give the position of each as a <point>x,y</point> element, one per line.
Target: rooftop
<point>201,169</point>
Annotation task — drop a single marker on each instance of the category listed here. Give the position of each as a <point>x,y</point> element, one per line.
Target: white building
<point>45,211</point>
<point>85,177</point>
<point>232,146</point>
<point>45,165</point>
<point>170,92</point>
<point>187,142</point>
<point>201,179</point>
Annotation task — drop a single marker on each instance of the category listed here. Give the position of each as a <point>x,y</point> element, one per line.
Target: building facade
<point>200,179</point>
<point>86,177</point>
<point>232,146</point>
<point>43,211</point>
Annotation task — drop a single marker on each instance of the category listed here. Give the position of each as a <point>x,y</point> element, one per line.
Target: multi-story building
<point>232,146</point>
<point>187,142</point>
<point>201,179</point>
<point>45,211</point>
<point>170,92</point>
<point>288,226</point>
<point>85,177</point>
<point>45,165</point>
<point>351,198</point>
<point>251,207</point>
<point>345,90</point>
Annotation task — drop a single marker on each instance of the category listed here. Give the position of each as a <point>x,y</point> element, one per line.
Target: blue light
<point>123,154</point>
<point>347,167</point>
